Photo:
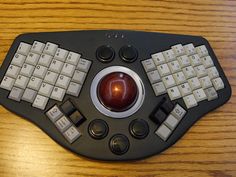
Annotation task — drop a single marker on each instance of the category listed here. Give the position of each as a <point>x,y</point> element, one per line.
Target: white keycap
<point>179,77</point>
<point>169,55</point>
<point>194,83</point>
<point>63,81</point>
<point>183,61</point>
<point>29,95</point>
<point>173,93</point>
<point>74,89</point>
<point>190,101</point>
<point>159,88</point>
<point>163,70</point>
<point>61,54</point>
<point>148,65</point>
<point>195,60</point>
<point>32,58</point>
<point>63,124</point>
<point>68,70</point>
<point>7,83</point>
<point>18,60</point>
<point>79,77</point>
<point>23,48</point>
<point>153,76</point>
<point>40,71</point>
<point>21,81</point>
<point>205,82</point>
<point>37,47</point>
<point>83,65</point>
<point>211,94</point>
<point>185,89</point>
<point>174,66</point>
<point>56,66</point>
<point>178,50</point>
<point>34,83</point>
<point>163,132</point>
<point>16,94</point>
<point>171,122</point>
<point>212,72</point>
<point>51,77</point>
<point>58,93</point>
<point>189,72</point>
<point>54,113</point>
<point>27,70</point>
<point>199,95</point>
<point>50,48</point>
<point>168,81</point>
<point>45,60</point>
<point>40,102</point>
<point>202,51</point>
<point>200,71</point>
<point>178,112</point>
<point>45,89</point>
<point>207,61</point>
<point>72,134</point>
<point>73,58</point>
<point>158,58</point>
<point>13,71</point>
<point>218,83</point>
<point>189,49</point>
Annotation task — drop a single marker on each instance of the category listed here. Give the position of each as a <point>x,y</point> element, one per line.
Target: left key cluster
<point>40,72</point>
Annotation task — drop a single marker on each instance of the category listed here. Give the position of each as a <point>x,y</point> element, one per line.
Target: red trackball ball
<point>117,91</point>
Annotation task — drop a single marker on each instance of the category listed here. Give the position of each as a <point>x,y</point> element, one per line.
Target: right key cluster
<point>184,71</point>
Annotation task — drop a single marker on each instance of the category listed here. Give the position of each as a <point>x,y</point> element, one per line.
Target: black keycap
<point>119,144</point>
<point>139,128</point>
<point>68,108</point>
<point>98,129</point>
<point>77,118</point>
<point>167,106</point>
<point>158,116</point>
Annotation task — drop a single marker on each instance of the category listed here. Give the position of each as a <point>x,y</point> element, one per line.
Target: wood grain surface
<point>208,149</point>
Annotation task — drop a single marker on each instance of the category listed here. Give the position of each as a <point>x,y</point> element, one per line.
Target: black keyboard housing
<point>86,43</point>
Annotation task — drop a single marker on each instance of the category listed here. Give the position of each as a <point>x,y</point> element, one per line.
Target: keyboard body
<point>120,138</point>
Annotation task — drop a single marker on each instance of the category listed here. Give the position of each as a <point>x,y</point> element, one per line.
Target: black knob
<point>139,128</point>
<point>128,53</point>
<point>119,144</point>
<point>105,53</point>
<point>98,129</point>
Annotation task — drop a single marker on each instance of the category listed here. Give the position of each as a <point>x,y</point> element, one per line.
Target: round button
<point>105,53</point>
<point>128,53</point>
<point>139,128</point>
<point>119,144</point>
<point>117,91</point>
<point>98,129</point>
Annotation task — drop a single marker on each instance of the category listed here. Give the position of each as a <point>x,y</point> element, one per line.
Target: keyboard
<point>112,94</point>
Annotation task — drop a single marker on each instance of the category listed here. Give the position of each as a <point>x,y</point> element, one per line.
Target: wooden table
<point>208,149</point>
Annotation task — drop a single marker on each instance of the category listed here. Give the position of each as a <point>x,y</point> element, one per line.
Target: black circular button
<point>105,53</point>
<point>128,53</point>
<point>98,129</point>
<point>119,144</point>
<point>139,128</point>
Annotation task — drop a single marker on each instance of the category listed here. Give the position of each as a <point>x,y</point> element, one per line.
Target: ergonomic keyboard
<point>112,94</point>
